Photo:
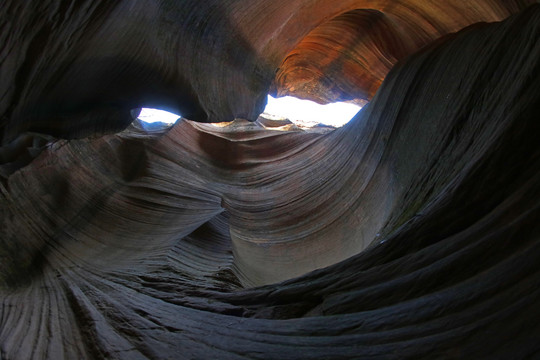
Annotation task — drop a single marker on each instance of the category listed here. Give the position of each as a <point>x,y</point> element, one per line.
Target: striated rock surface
<point>351,49</point>
<point>412,232</point>
<point>78,68</point>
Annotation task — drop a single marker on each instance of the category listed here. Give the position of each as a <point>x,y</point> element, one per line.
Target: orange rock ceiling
<point>412,232</point>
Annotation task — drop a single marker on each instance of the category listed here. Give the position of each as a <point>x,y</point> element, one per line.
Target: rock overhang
<point>136,228</point>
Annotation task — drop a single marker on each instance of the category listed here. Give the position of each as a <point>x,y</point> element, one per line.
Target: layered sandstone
<point>412,232</point>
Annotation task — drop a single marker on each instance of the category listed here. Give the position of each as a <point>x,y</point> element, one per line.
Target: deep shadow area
<point>410,233</point>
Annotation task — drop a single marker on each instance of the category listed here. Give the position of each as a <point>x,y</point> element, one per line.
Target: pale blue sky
<point>335,114</point>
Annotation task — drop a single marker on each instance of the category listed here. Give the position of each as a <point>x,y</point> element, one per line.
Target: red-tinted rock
<point>420,217</point>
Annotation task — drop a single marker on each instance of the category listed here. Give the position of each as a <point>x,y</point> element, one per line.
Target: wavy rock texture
<point>347,56</point>
<point>78,68</point>
<point>420,217</point>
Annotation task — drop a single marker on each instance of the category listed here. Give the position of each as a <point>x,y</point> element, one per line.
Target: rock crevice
<point>411,232</point>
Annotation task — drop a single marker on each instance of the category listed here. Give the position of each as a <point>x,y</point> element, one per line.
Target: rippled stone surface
<point>347,55</point>
<point>412,232</point>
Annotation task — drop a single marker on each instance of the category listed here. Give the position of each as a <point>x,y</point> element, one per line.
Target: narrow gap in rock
<point>156,119</point>
<point>308,113</point>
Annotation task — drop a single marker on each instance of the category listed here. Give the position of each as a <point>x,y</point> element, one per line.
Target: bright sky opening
<point>154,115</point>
<point>287,107</point>
<point>335,114</point>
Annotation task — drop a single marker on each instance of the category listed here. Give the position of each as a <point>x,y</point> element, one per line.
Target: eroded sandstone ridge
<point>412,232</point>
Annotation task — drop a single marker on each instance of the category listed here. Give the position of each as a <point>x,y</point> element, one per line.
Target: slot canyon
<point>412,232</point>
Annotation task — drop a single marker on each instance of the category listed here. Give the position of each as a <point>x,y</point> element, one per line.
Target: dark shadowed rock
<point>411,232</point>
